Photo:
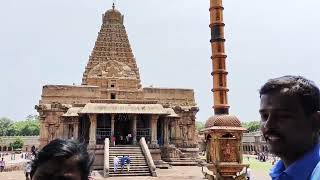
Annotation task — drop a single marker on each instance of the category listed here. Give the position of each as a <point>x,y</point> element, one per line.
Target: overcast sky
<point>49,42</point>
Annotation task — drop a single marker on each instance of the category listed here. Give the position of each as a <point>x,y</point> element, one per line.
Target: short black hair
<point>306,90</point>
<point>60,148</point>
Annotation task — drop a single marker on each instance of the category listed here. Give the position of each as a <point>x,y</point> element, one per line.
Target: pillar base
<point>92,143</point>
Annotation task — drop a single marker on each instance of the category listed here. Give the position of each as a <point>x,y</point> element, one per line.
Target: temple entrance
<point>84,125</point>
<point>160,131</point>
<point>103,128</point>
<point>143,128</point>
<point>123,129</point>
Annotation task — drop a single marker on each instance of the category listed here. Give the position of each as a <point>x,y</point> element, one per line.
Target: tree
<point>5,123</point>
<point>17,144</point>
<point>28,127</point>
<point>252,126</point>
<point>199,125</point>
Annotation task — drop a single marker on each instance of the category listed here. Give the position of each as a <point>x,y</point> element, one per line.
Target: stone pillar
<point>166,131</point>
<point>134,130</point>
<point>154,121</point>
<point>93,128</point>
<point>43,132</point>
<point>112,126</point>
<point>76,129</point>
<point>65,130</point>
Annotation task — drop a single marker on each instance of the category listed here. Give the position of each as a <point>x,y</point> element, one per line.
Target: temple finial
<point>113,5</point>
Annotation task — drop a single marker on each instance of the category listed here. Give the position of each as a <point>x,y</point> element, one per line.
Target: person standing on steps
<point>128,161</point>
<point>115,163</point>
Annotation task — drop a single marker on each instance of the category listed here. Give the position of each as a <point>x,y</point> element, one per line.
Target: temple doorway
<point>84,127</point>
<point>143,127</point>
<point>103,128</point>
<point>123,129</point>
<point>160,132</point>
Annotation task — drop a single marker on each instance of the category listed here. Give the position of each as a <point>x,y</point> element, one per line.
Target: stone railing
<point>106,158</point>
<point>148,156</point>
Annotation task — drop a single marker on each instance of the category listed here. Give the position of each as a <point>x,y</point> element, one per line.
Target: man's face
<point>284,125</point>
<point>58,169</point>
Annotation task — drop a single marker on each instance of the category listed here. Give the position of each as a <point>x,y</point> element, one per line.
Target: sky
<point>49,42</point>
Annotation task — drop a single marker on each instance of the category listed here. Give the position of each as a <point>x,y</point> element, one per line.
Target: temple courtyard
<point>175,173</point>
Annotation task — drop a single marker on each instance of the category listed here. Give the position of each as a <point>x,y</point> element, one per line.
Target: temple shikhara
<point>111,103</point>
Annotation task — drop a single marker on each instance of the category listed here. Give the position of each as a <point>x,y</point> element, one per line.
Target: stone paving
<point>175,173</point>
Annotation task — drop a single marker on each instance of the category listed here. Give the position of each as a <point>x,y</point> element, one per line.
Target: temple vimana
<point>111,103</point>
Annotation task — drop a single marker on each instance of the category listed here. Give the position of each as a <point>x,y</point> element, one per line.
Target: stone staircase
<point>138,165</point>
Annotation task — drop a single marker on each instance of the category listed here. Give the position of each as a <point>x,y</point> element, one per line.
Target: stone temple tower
<point>112,65</point>
<point>223,131</point>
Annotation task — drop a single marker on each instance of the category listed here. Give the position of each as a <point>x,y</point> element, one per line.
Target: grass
<point>257,165</point>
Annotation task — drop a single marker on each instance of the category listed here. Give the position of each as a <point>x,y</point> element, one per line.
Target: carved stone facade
<point>112,103</point>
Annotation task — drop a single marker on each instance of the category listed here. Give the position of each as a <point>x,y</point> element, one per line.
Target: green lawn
<point>257,165</point>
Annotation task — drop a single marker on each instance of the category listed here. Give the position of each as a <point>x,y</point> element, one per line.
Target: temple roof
<point>113,16</point>
<point>101,108</point>
<point>223,120</point>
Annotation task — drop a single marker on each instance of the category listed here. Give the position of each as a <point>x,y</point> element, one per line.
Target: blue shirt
<point>300,169</point>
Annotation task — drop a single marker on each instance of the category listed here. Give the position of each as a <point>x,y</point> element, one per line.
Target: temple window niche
<point>113,96</point>
<point>113,84</point>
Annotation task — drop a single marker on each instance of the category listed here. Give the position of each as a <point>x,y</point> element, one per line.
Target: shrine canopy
<point>101,108</point>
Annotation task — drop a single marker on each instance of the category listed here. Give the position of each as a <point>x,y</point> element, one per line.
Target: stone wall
<point>253,143</point>
<point>65,94</point>
<point>170,97</point>
<point>28,142</point>
<point>186,127</point>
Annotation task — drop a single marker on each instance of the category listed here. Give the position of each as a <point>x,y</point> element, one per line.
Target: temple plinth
<point>223,131</point>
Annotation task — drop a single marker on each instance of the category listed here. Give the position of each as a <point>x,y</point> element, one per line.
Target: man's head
<point>62,159</point>
<point>289,115</point>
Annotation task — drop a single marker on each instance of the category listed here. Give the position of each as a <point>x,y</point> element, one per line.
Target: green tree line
<point>252,126</point>
<point>28,127</point>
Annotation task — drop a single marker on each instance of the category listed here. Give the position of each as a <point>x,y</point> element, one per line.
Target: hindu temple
<point>112,103</point>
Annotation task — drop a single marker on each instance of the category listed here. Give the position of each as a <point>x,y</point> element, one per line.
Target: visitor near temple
<point>2,165</point>
<point>27,170</point>
<point>290,123</point>
<point>62,159</point>
<point>115,163</point>
<point>128,161</point>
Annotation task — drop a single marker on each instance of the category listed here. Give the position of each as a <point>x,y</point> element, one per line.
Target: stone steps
<point>138,165</point>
